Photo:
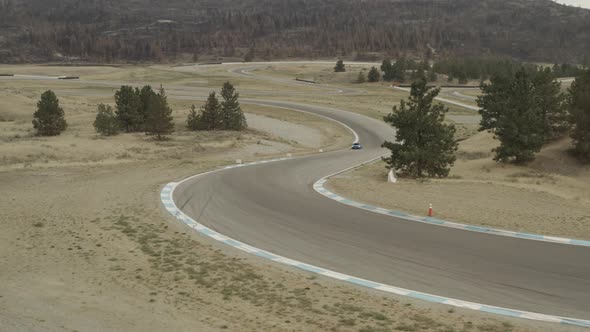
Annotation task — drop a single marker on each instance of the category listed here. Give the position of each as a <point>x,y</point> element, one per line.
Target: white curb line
<point>167,199</point>
<point>319,187</point>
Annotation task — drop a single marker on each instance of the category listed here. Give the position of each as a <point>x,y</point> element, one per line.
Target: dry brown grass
<point>86,245</point>
<point>94,252</point>
<point>79,144</point>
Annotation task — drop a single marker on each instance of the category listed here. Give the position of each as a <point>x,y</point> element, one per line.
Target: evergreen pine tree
<point>373,75</point>
<point>523,111</point>
<point>399,69</point>
<point>402,63</point>
<point>519,123</point>
<point>159,120</point>
<point>418,74</point>
<point>211,115</point>
<point>579,108</point>
<point>106,122</point>
<point>49,119</point>
<point>339,68</point>
<point>387,70</point>
<point>410,64</point>
<point>145,94</point>
<point>193,121</point>
<point>425,144</point>
<point>128,108</point>
<point>492,101</point>
<point>232,117</point>
<point>551,103</point>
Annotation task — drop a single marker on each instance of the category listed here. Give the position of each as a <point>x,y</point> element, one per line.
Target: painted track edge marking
<point>167,194</point>
<point>319,187</point>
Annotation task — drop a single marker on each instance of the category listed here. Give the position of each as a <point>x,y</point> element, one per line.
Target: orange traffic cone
<point>430,210</point>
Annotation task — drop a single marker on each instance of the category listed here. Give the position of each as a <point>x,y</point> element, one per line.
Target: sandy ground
<point>549,196</point>
<point>86,246</point>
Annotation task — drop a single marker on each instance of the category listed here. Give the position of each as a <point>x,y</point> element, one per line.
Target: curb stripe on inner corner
<point>167,196</point>
<point>168,191</point>
<point>319,187</point>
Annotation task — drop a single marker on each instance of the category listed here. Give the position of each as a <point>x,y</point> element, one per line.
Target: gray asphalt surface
<point>274,207</point>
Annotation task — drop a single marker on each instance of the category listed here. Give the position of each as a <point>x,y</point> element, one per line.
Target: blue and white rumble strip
<point>320,188</point>
<point>166,196</point>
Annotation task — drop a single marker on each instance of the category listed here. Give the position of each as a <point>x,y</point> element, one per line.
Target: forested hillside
<point>149,30</point>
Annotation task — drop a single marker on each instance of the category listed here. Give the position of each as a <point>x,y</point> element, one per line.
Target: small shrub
<point>531,174</point>
<point>406,327</point>
<point>348,321</point>
<point>124,155</point>
<point>339,68</point>
<point>361,78</point>
<point>373,315</point>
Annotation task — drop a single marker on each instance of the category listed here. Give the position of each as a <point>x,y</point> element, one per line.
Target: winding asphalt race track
<point>274,207</point>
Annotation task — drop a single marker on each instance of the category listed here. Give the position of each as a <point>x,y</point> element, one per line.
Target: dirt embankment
<point>549,196</point>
